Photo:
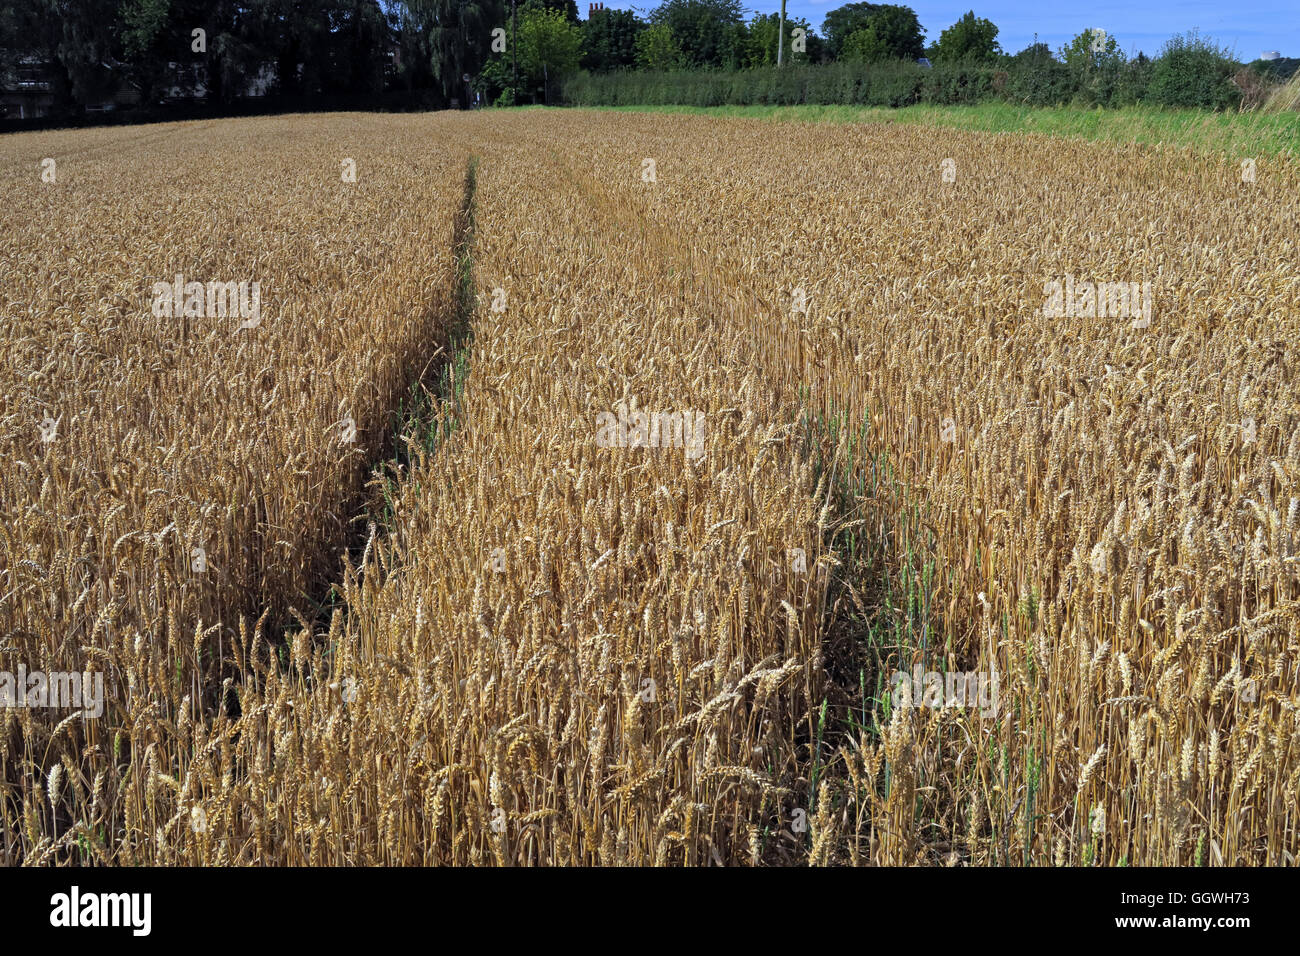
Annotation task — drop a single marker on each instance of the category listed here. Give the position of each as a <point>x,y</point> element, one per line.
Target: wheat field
<point>596,489</point>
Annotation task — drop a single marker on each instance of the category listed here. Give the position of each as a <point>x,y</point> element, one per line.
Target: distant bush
<point>1279,70</point>
<point>1194,72</point>
<point>949,83</point>
<point>1255,88</point>
<point>1036,78</point>
<point>1133,83</point>
<point>896,83</point>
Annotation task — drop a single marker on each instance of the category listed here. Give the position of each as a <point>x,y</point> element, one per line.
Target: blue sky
<point>1246,26</point>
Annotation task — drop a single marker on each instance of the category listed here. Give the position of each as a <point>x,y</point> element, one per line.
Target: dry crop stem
<point>196,432</point>
<point>1110,529</point>
<point>517,687</point>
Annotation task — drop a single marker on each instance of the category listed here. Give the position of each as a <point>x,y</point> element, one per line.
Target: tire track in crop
<point>839,482</point>
<point>616,565</point>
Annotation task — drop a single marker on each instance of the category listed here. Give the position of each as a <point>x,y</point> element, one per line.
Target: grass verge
<point>1238,134</point>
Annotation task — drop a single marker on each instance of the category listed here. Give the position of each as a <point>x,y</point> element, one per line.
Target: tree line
<point>437,53</point>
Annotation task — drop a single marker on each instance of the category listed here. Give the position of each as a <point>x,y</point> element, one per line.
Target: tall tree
<point>1090,49</point>
<point>75,38</point>
<point>361,39</point>
<point>708,32</point>
<point>843,21</point>
<point>657,49</point>
<point>609,40</point>
<point>763,41</point>
<point>156,33</point>
<point>549,47</point>
<point>458,35</point>
<point>971,39</point>
<point>890,32</point>
<point>567,7</point>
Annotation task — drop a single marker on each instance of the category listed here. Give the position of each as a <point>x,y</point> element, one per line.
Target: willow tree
<point>457,36</point>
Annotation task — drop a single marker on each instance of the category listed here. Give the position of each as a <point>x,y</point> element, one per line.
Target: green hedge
<point>1200,81</point>
<point>894,84</point>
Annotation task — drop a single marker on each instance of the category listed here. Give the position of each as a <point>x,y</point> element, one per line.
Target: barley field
<point>597,488</point>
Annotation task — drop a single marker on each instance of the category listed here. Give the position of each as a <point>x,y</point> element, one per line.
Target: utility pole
<point>780,36</point>
<point>514,51</point>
